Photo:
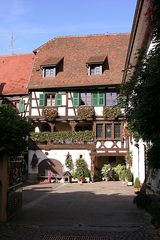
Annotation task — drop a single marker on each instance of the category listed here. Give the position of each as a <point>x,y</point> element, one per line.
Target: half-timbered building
<point>75,104</point>
<point>15,73</point>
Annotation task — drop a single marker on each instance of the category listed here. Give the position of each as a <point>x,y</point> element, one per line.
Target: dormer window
<point>95,70</point>
<point>95,65</point>
<point>50,67</point>
<point>49,71</point>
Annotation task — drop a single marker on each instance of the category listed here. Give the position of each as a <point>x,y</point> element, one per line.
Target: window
<point>111,99</point>
<point>49,72</point>
<point>50,99</point>
<point>117,130</point>
<point>86,99</point>
<point>98,99</point>
<point>99,130</point>
<point>108,130</point>
<point>95,70</point>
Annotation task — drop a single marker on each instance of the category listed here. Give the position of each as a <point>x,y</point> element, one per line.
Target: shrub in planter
<point>105,171</point>
<point>85,112</point>
<point>129,176</point>
<point>121,171</point>
<point>81,170</point>
<point>111,112</point>
<point>49,113</point>
<point>137,185</point>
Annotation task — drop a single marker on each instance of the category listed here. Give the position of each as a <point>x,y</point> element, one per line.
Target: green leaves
<point>85,112</point>
<point>13,130</point>
<point>63,137</point>
<point>143,92</point>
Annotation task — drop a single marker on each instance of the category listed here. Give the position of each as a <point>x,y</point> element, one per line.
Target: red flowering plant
<point>49,113</point>
<point>85,112</point>
<point>111,112</point>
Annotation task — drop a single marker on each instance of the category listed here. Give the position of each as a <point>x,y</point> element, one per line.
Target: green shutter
<point>75,99</point>
<point>41,99</point>
<point>95,99</point>
<point>58,100</point>
<point>21,106</point>
<point>101,99</point>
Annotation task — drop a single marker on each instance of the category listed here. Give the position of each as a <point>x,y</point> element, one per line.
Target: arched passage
<point>50,167</point>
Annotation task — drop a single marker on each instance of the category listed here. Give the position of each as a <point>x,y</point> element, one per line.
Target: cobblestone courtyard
<point>92,211</point>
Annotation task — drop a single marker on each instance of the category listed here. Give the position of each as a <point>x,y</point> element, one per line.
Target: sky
<point>27,24</point>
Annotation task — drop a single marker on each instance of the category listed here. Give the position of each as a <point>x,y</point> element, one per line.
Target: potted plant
<point>105,171</point>
<point>49,113</point>
<point>111,112</point>
<point>85,112</point>
<point>129,177</point>
<point>137,185</point>
<point>81,170</point>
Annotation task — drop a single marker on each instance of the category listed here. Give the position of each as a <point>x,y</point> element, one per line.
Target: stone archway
<point>51,167</point>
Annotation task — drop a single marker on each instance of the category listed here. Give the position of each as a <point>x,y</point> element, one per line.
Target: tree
<point>142,89</point>
<point>13,130</point>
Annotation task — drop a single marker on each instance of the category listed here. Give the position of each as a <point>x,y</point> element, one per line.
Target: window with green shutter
<point>41,99</point>
<point>101,99</point>
<point>95,99</point>
<point>98,99</point>
<point>21,106</point>
<point>75,99</point>
<point>58,100</point>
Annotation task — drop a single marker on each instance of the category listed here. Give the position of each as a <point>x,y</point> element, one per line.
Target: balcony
<point>60,139</point>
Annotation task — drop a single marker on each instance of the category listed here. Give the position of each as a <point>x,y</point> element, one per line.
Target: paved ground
<point>93,211</point>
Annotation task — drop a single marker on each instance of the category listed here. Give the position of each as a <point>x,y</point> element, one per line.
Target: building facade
<point>72,95</point>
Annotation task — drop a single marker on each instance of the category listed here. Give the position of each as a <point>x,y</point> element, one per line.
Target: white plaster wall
<point>138,164</point>
<point>98,111</point>
<point>58,155</point>
<point>71,112</point>
<point>61,111</point>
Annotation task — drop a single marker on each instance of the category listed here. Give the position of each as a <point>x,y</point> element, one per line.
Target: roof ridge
<point>79,36</point>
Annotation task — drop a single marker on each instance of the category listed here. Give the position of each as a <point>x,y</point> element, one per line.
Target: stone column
<point>73,125</point>
<point>52,125</point>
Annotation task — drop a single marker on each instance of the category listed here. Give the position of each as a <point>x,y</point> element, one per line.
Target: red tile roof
<point>51,61</point>
<point>96,59</point>
<point>15,72</point>
<point>76,51</point>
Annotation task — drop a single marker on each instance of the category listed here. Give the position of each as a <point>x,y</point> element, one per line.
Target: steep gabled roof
<point>15,72</point>
<point>76,51</point>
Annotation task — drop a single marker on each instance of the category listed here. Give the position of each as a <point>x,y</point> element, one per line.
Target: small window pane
<point>114,98</point>
<point>99,130</point>
<point>50,100</point>
<point>117,130</point>
<point>49,72</point>
<point>108,99</point>
<point>108,131</point>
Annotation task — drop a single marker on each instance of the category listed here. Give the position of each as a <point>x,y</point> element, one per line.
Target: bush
<point>137,183</point>
<point>121,171</point>
<point>81,170</point>
<point>129,175</point>
<point>105,169</point>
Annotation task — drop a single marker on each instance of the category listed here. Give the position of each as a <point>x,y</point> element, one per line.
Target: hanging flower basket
<point>85,112</point>
<point>111,112</point>
<point>49,113</point>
